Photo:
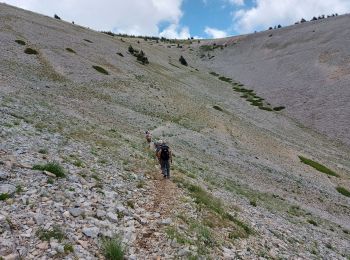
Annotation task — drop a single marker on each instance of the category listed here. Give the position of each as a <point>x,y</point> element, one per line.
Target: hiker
<point>148,136</point>
<point>165,158</point>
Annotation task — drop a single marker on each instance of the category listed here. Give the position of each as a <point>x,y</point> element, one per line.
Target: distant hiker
<point>148,136</point>
<point>165,158</point>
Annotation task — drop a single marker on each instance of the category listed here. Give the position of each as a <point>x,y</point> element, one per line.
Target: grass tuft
<point>4,196</point>
<point>225,79</point>
<point>112,248</point>
<point>55,232</point>
<point>318,166</point>
<point>101,70</point>
<point>279,108</point>
<point>312,222</point>
<point>30,51</point>
<point>52,167</point>
<point>343,191</point>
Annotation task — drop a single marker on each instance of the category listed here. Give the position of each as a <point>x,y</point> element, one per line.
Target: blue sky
<point>184,18</point>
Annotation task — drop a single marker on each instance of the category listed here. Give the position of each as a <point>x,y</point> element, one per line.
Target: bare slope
<point>304,67</point>
<point>238,188</point>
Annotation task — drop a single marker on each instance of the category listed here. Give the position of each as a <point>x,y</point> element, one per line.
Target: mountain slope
<point>238,188</point>
<point>304,67</point>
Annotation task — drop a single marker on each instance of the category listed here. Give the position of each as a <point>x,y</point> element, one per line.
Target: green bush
<point>225,79</point>
<point>214,74</point>
<point>4,196</point>
<point>279,108</point>
<point>218,108</point>
<point>52,167</point>
<point>70,50</point>
<point>101,70</point>
<point>343,191</point>
<point>318,166</point>
<point>183,61</point>
<point>20,42</point>
<point>30,51</point>
<point>265,108</point>
<point>312,222</point>
<point>112,248</point>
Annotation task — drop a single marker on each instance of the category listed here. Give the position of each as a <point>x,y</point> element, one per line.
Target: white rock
<point>112,217</point>
<point>91,231</point>
<point>8,189</point>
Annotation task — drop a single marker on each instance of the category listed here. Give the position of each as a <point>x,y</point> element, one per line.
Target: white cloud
<point>173,31</point>
<point>268,13</point>
<point>132,16</point>
<point>236,2</point>
<point>215,33</point>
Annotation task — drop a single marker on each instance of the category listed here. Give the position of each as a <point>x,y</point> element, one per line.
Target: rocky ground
<point>237,190</point>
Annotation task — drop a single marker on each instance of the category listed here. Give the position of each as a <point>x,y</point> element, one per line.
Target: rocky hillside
<point>75,169</point>
<point>304,67</point>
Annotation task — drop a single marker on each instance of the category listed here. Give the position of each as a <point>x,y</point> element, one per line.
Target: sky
<point>182,19</point>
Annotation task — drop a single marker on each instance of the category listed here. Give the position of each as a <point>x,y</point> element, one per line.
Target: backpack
<point>165,154</point>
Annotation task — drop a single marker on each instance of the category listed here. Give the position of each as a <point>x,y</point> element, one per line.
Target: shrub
<point>141,56</point>
<point>57,17</point>
<point>30,51</point>
<point>120,54</point>
<point>343,191</point>
<point>225,79</point>
<point>218,108</point>
<point>52,167</point>
<point>318,166</point>
<point>214,74</point>
<point>312,222</point>
<point>70,50</point>
<point>131,49</point>
<point>183,61</point>
<point>55,232</point>
<point>253,203</point>
<point>87,40</point>
<point>112,248</point>
<point>279,108</point>
<point>20,42</point>
<point>101,70</point>
<point>265,108</point>
<point>68,248</point>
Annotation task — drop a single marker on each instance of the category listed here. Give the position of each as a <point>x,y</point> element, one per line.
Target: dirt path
<point>163,204</point>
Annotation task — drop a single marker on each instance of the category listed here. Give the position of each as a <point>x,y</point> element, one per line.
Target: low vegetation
<point>55,232</point>
<point>112,248</point>
<point>218,108</point>
<point>20,42</point>
<point>70,50</point>
<point>4,196</point>
<point>318,166</point>
<point>87,40</point>
<point>100,69</point>
<point>139,54</point>
<point>343,191</point>
<point>183,61</point>
<point>52,167</point>
<point>30,51</point>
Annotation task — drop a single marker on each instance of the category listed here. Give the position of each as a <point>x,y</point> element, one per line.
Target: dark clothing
<point>165,166</point>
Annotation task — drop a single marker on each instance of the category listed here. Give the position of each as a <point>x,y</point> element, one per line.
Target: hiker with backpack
<point>165,158</point>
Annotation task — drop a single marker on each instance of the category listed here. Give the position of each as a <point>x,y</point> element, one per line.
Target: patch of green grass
<point>100,69</point>
<point>43,151</point>
<point>140,185</point>
<point>343,191</point>
<point>70,50</point>
<point>50,181</point>
<point>19,189</point>
<point>130,204</point>
<point>318,166</point>
<point>55,232</point>
<point>206,48</point>
<point>295,210</point>
<point>112,248</point>
<point>30,51</point>
<point>52,167</point>
<point>20,42</point>
<point>172,233</point>
<point>312,222</point>
<point>68,248</point>
<point>218,108</point>
<point>4,196</point>
<point>253,203</point>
